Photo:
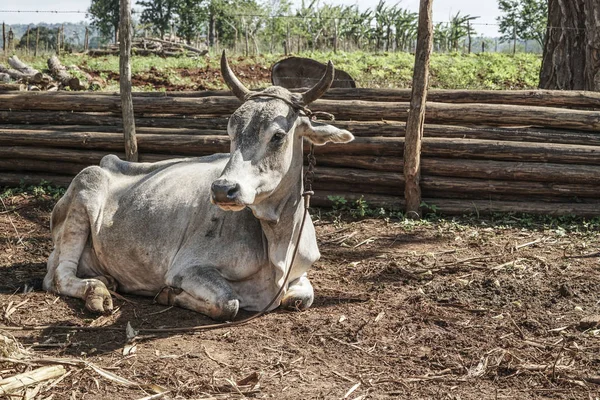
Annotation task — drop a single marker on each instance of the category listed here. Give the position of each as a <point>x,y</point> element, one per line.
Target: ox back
<point>298,72</point>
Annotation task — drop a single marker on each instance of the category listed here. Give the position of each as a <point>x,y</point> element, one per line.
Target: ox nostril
<point>224,191</point>
<point>233,192</point>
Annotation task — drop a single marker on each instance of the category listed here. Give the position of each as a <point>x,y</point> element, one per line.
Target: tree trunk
<point>211,29</point>
<point>571,58</point>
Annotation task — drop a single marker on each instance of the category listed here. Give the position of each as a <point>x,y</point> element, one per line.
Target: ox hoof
<point>228,311</point>
<point>98,298</point>
<point>297,303</point>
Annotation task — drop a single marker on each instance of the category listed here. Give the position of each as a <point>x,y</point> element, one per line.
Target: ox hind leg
<point>203,290</point>
<point>70,242</point>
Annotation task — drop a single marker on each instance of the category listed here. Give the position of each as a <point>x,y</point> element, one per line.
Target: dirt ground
<point>181,79</point>
<point>468,308</point>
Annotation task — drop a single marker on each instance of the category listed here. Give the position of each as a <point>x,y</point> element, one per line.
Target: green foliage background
<point>388,70</point>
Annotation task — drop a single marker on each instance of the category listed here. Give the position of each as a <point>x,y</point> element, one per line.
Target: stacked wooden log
<point>528,154</point>
<point>20,76</point>
<point>152,46</point>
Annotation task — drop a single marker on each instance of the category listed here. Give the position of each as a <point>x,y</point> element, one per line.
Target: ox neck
<point>286,202</point>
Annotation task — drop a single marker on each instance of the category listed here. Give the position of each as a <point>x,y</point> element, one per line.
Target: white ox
<point>212,234</point>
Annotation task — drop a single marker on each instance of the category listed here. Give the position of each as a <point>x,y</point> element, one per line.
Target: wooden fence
<point>483,151</point>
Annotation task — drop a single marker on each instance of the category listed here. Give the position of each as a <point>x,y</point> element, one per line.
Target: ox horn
<point>238,89</point>
<point>321,87</point>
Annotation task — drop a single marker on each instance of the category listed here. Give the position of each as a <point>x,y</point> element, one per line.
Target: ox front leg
<point>300,294</point>
<point>203,290</point>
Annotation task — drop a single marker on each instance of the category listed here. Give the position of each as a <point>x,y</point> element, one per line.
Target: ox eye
<point>278,137</point>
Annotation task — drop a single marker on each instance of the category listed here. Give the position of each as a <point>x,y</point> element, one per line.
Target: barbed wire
<point>267,16</point>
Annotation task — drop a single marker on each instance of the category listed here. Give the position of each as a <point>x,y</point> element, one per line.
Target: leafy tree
<point>47,39</point>
<point>535,20</point>
<point>406,28</point>
<point>159,14</point>
<point>460,27</point>
<point>105,17</point>
<point>525,19</point>
<point>190,17</point>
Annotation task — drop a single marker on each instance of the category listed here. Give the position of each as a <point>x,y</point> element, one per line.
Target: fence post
<point>416,112</point>
<point>86,40</point>
<point>335,35</point>
<point>288,38</point>
<point>125,35</point>
<point>27,48</point>
<point>469,34</point>
<point>4,38</point>
<point>515,38</point>
<point>37,41</point>
<point>58,41</point>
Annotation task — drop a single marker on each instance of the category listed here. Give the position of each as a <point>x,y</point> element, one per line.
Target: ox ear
<point>319,133</point>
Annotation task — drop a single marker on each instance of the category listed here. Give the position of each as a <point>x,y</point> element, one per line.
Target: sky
<point>487,10</point>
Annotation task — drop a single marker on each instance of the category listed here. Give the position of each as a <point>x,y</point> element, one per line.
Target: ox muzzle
<point>226,194</point>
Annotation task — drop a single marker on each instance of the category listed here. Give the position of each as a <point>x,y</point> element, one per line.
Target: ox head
<point>266,134</point>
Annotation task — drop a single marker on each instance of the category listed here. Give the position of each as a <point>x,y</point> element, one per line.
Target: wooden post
<point>288,38</point>
<point>335,35</point>
<point>86,40</point>
<point>247,48</point>
<point>11,37</point>
<point>4,37</point>
<point>469,34</point>
<point>515,38</point>
<point>416,113</point>
<point>27,48</point>
<point>58,41</point>
<point>125,36</point>
<point>37,41</point>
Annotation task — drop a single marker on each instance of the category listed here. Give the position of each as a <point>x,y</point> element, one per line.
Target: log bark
<point>323,198</point>
<point>32,75</point>
<point>542,98</point>
<point>184,46</point>
<point>477,169</point>
<point>59,72</point>
<point>416,113</point>
<point>477,114</point>
<point>14,74</point>
<point>125,36</point>
<point>571,55</point>
<point>460,207</point>
<point>33,118</point>
<point>513,171</point>
<point>167,144</point>
<point>358,189</point>
<point>432,185</point>
<point>197,124</point>
<point>11,87</point>
<point>4,77</point>
<point>361,146</point>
